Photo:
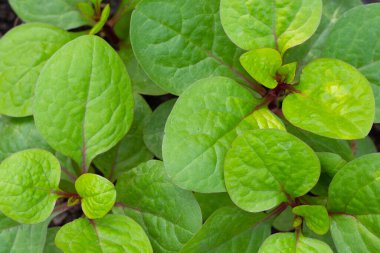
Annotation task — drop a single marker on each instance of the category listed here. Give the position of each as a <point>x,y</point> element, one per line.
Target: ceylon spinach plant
<point>268,134</point>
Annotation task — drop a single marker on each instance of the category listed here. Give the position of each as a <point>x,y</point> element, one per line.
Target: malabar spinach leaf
<point>315,217</point>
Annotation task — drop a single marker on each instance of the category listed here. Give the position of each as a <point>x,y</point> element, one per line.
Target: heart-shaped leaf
<point>92,88</point>
<point>316,217</point>
<point>28,181</point>
<point>335,101</point>
<point>253,24</point>
<point>266,166</point>
<point>97,194</point>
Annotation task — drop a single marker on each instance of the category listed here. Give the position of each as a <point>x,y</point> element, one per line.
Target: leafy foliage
<point>266,149</point>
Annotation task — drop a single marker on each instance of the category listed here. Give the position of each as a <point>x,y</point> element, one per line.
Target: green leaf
<point>169,215</point>
<point>291,243</point>
<point>336,101</point>
<point>103,19</point>
<point>18,134</point>
<point>322,144</point>
<point>141,83</point>
<point>348,41</point>
<point>86,9</point>
<point>270,24</point>
<point>97,194</point>
<point>316,217</point>
<point>101,104</point>
<point>50,246</point>
<point>113,233</point>
<point>288,72</point>
<point>155,125</point>
<point>364,146</point>
<point>198,134</point>
<point>23,52</point>
<point>28,180</point>
<point>263,167</point>
<point>178,48</point>
<point>131,150</point>
<point>284,221</point>
<point>210,202</point>
<point>354,201</point>
<point>22,238</point>
<point>61,13</point>
<point>327,238</point>
<point>230,229</point>
<point>262,64</point>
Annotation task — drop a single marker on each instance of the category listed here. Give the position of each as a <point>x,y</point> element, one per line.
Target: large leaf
<point>28,181</point>
<point>174,43</point>
<point>113,233</point>
<point>169,215</point>
<point>18,134</point>
<point>97,194</point>
<point>16,237</point>
<point>230,229</point>
<point>291,243</point>
<point>266,166</point>
<point>131,150</point>
<point>155,125</point>
<point>23,52</point>
<point>354,201</point>
<point>253,24</point>
<point>335,101</point>
<point>348,41</point>
<point>50,246</point>
<point>89,108</point>
<point>60,13</point>
<point>198,134</point>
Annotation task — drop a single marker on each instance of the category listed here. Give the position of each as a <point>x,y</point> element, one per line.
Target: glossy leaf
<point>174,43</point>
<point>155,125</point>
<point>355,224</point>
<point>169,215</point>
<point>16,237</point>
<point>348,41</point>
<point>28,180</point>
<point>336,101</point>
<point>131,150</point>
<point>316,217</point>
<point>97,194</point>
<point>19,134</point>
<point>270,24</point>
<point>113,233</point>
<point>289,243</point>
<point>230,229</point>
<point>198,134</point>
<point>287,72</point>
<point>264,166</point>
<point>92,88</point>
<point>210,202</point>
<point>327,238</point>
<point>61,13</point>
<point>262,64</point>
<point>141,83</point>
<point>23,52</point>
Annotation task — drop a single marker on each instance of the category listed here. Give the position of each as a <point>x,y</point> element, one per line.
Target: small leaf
<point>336,101</point>
<point>262,64</point>
<point>284,221</point>
<point>103,19</point>
<point>101,104</point>
<point>60,13</point>
<point>131,150</point>
<point>364,146</point>
<point>288,72</point>
<point>169,215</point>
<point>264,166</point>
<point>198,135</point>
<point>179,48</point>
<point>210,202</point>
<point>290,243</point>
<point>113,233</point>
<point>86,9</point>
<point>28,180</point>
<point>97,194</point>
<point>230,229</point>
<point>316,217</point>
<point>155,125</point>
<point>24,51</point>
<point>275,24</point>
